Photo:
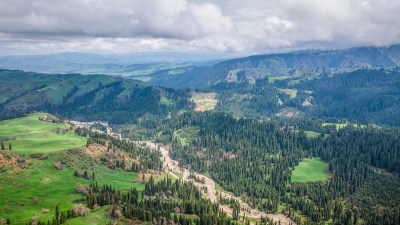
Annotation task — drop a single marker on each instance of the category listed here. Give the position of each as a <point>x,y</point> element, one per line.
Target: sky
<point>216,26</point>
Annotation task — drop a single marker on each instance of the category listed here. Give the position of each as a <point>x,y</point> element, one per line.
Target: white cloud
<point>252,26</point>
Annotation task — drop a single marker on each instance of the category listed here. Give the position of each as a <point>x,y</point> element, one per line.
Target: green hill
<point>31,135</point>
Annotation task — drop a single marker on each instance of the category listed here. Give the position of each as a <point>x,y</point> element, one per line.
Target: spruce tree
<point>57,212</point>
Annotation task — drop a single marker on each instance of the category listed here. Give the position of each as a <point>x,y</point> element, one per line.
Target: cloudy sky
<point>215,26</point>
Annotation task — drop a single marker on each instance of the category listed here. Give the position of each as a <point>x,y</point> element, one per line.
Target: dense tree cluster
<point>257,158</point>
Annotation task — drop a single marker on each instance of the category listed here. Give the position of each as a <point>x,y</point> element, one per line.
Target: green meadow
<point>310,170</point>
<point>33,135</point>
<point>341,125</point>
<point>24,193</point>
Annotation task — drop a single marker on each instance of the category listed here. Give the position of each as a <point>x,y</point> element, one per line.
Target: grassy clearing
<point>32,135</point>
<point>181,139</point>
<point>341,125</point>
<point>312,134</point>
<point>178,174</point>
<point>204,101</point>
<point>291,92</point>
<point>306,103</point>
<point>310,170</point>
<point>95,217</point>
<point>25,192</point>
<point>23,196</point>
<point>166,101</point>
<point>338,125</point>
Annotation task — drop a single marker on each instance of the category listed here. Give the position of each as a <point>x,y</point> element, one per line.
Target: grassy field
<point>32,135</point>
<point>310,170</point>
<point>341,125</point>
<point>204,101</point>
<point>312,134</point>
<point>291,92</point>
<point>338,125</point>
<point>29,185</point>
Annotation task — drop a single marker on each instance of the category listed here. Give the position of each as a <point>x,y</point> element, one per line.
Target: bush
<point>78,174</point>
<point>36,155</point>
<point>45,211</point>
<point>80,210</point>
<point>82,189</point>
<point>58,165</point>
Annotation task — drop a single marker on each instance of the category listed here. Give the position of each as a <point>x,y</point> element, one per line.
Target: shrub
<point>78,174</point>
<point>45,211</point>
<point>80,210</point>
<point>82,189</point>
<point>36,155</point>
<point>96,207</point>
<point>58,165</point>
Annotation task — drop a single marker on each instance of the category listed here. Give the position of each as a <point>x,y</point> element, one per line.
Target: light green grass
<point>33,135</point>
<point>94,217</point>
<point>310,170</point>
<point>178,174</point>
<point>312,134</point>
<point>307,103</point>
<point>291,92</point>
<point>181,139</point>
<point>51,187</point>
<point>166,101</point>
<point>341,125</point>
<point>24,193</point>
<point>338,125</point>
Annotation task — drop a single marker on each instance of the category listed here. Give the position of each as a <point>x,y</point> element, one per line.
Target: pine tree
<point>57,212</point>
<point>63,218</point>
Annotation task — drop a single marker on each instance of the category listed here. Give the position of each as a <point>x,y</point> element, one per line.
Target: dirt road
<point>211,193</point>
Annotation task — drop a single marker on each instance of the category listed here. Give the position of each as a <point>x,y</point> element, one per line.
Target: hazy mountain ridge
<point>361,57</point>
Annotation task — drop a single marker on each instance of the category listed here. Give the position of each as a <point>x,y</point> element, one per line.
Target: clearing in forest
<point>291,92</point>
<point>31,135</point>
<point>341,125</point>
<point>310,170</point>
<point>204,101</point>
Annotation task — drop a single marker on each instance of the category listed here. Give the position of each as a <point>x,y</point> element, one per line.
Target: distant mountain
<point>303,63</point>
<point>80,97</point>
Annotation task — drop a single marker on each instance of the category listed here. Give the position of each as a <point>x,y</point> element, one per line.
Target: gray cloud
<point>252,26</point>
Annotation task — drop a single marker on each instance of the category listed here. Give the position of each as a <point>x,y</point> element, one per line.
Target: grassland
<point>341,125</point>
<point>291,92</point>
<point>204,101</point>
<point>310,170</point>
<point>179,175</point>
<point>29,185</point>
<point>33,135</point>
<point>338,125</point>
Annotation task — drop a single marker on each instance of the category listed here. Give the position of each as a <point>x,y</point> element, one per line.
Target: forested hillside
<point>303,63</point>
<point>256,160</point>
<point>96,97</point>
<point>366,96</point>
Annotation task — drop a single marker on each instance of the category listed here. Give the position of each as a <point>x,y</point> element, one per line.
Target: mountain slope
<point>95,97</point>
<point>303,63</point>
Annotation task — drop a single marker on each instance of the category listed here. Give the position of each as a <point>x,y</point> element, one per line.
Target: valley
<point>261,146</point>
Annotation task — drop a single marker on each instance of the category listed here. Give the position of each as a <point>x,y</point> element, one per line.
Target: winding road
<point>211,193</point>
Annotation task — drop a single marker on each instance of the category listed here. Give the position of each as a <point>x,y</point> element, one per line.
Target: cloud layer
<point>230,26</point>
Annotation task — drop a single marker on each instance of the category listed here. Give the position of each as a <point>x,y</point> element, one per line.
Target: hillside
<point>98,180</point>
<point>95,97</point>
<point>303,63</point>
